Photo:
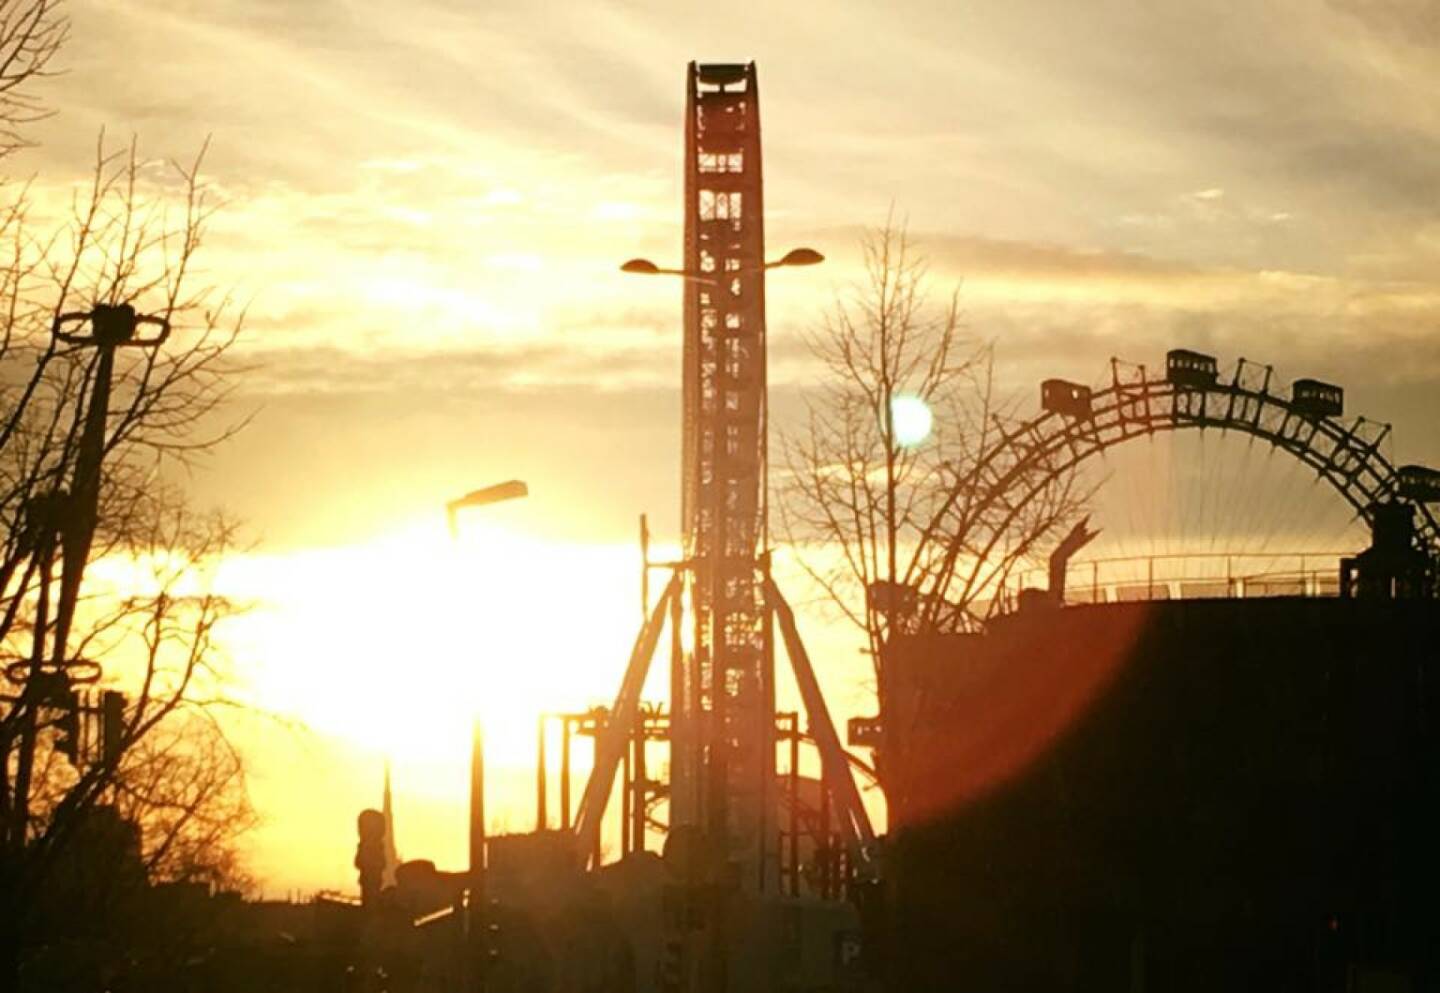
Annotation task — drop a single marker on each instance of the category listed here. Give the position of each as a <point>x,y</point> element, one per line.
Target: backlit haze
<point>426,204</point>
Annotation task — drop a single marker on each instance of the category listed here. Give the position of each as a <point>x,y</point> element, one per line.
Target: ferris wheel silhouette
<point>1307,422</point>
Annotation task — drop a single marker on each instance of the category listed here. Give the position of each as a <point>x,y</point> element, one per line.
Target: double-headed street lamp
<point>511,490</point>
<point>795,257</point>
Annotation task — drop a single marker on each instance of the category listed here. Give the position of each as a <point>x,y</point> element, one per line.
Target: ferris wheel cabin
<point>1317,399</point>
<point>1186,368</point>
<point>1419,483</point>
<point>1059,396</point>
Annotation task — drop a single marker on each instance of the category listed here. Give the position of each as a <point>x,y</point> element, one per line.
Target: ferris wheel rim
<point>1052,443</point>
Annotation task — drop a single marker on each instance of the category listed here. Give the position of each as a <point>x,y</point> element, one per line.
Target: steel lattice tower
<point>723,761</point>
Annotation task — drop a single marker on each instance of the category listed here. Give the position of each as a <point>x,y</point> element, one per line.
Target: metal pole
<point>767,740</point>
<point>476,918</point>
<point>565,720</point>
<point>794,803</point>
<point>683,762</point>
<point>640,789</point>
<point>31,696</point>
<point>541,818</point>
<point>822,836</point>
<point>627,796</point>
<point>79,530</point>
<point>595,846</point>
<point>644,569</point>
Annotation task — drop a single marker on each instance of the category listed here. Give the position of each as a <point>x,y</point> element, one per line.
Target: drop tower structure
<point>722,608</point>
<point>722,681</point>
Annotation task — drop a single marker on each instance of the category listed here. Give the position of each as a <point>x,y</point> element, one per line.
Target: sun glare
<point>402,642</point>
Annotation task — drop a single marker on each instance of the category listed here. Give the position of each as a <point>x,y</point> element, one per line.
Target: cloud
<point>432,199</point>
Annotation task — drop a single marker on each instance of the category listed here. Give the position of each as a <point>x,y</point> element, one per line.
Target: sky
<point>425,205</point>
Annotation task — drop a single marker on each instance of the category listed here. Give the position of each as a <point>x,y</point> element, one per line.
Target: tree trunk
<point>10,940</point>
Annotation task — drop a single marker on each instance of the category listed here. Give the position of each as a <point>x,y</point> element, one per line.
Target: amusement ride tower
<point>721,606</point>
<point>723,693</point>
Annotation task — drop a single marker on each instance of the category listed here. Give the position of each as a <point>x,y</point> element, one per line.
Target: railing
<point>1190,576</point>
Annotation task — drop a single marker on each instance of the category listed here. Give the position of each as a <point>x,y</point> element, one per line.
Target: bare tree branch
<point>906,535</point>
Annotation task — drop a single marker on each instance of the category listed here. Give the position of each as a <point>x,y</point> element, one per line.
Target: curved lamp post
<point>511,490</point>
<point>476,960</point>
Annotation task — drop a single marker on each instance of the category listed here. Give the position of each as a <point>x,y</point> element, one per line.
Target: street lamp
<point>794,257</point>
<point>510,490</point>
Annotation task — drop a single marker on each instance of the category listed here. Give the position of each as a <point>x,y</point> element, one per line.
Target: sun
<point>398,644</point>
<point>911,419</point>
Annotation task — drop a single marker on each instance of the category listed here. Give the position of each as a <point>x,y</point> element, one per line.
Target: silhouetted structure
<point>1396,565</point>
<point>1194,795</point>
<point>370,855</point>
<point>1188,795</point>
<point>721,720</point>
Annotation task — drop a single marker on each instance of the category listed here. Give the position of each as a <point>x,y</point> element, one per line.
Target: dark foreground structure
<point>1193,795</point>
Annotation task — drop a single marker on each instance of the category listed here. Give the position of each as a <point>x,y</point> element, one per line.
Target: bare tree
<point>31,33</point>
<point>92,433</point>
<point>167,765</point>
<point>895,496</point>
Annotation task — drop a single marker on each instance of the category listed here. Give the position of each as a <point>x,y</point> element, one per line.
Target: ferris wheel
<point>1231,484</point>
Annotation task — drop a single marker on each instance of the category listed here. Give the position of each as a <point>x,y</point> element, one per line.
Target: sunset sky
<point>426,204</point>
